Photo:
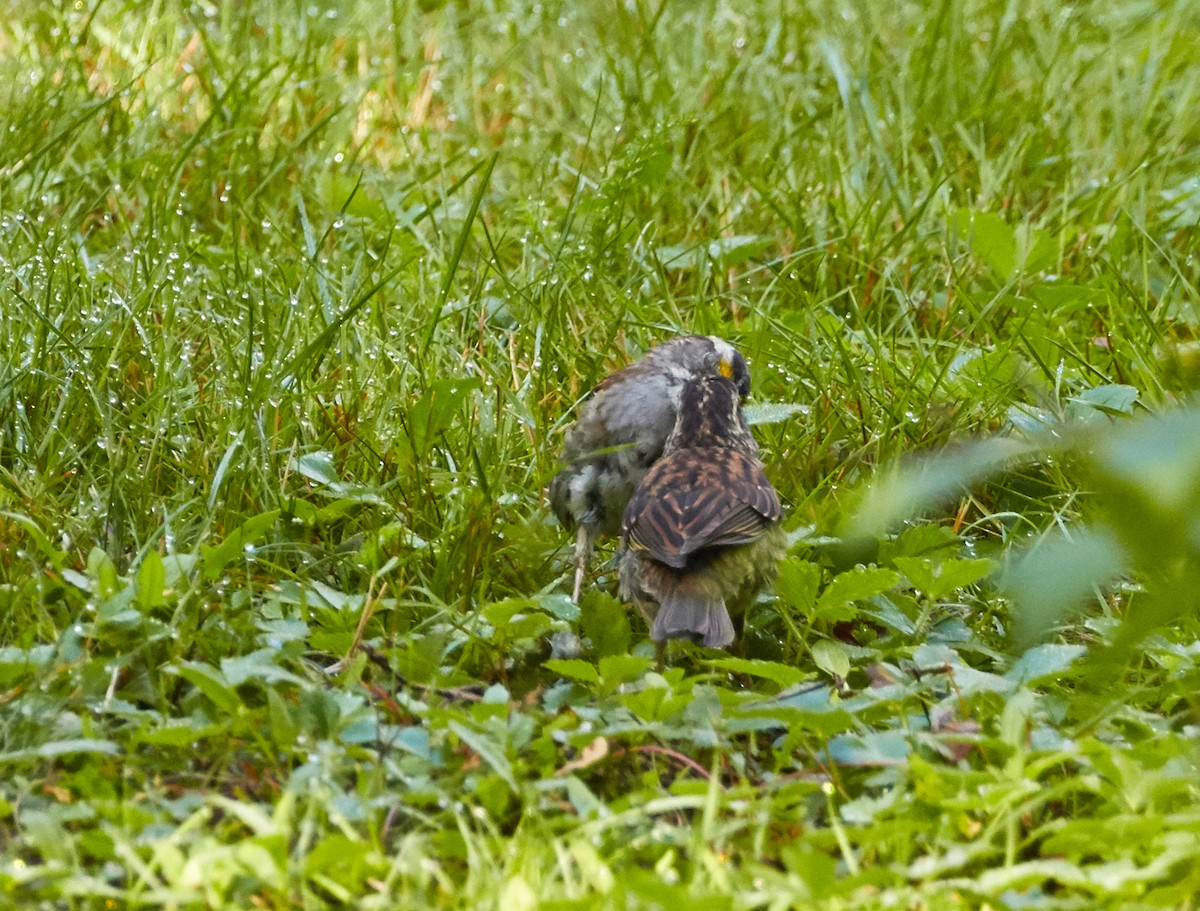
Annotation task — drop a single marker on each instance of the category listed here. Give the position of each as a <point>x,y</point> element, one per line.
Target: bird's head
<point>728,362</point>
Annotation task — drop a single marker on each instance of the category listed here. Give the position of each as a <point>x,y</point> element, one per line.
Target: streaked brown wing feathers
<point>700,498</point>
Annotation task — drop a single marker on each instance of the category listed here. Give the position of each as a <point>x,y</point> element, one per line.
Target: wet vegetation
<point>296,301</point>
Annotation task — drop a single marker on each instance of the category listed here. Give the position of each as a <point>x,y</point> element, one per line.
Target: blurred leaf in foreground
<point>1143,476</point>
<point>914,486</point>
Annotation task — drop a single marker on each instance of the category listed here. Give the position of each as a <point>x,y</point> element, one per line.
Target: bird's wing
<point>698,498</point>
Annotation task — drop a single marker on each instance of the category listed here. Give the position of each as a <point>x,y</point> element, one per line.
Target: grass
<point>297,300</point>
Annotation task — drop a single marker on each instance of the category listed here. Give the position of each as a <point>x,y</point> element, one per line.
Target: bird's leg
<point>583,552</point>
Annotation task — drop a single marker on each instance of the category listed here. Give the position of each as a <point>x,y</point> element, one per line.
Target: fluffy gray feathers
<point>621,430</point>
<point>623,426</point>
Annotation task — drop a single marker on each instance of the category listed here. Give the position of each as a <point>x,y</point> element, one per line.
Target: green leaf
<point>258,665</point>
<point>605,622</point>
<point>887,610</point>
<point>618,669</point>
<point>78,579</point>
<point>103,573</point>
<point>317,467</point>
<point>772,412</point>
<point>1156,459</point>
<point>877,748</point>
<point>574,668</point>
<point>437,409</point>
<point>723,253</point>
<point>532,625</point>
<point>938,579</point>
<point>177,732</point>
<point>1053,577</point>
<point>919,572</point>
<point>211,682</point>
<point>345,193</point>
<point>343,860</point>
<point>560,607</point>
<point>1047,660</point>
<point>178,569</point>
<point>1018,711</point>
<point>813,867</point>
<point>51,554</point>
<point>954,575</point>
<point>782,674</point>
<point>282,720</point>
<point>488,751</point>
<point>798,720</point>
<point>916,485</point>
<point>414,740</point>
<point>1037,250</point>
<point>831,657</point>
<point>924,540</point>
<point>1063,299</point>
<point>54,748</point>
<point>249,814</point>
<point>246,535</point>
<point>151,581</point>
<point>1182,209</point>
<point>1008,249</point>
<point>797,584</point>
<point>117,610</point>
<point>651,167</point>
<point>500,613</point>
<point>583,800</point>
<point>858,584</point>
<point>17,662</point>
<point>1112,399</point>
<point>990,238</point>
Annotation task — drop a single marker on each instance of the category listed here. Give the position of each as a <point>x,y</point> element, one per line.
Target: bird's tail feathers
<point>693,615</point>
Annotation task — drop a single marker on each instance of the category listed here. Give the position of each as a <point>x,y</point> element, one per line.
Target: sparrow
<point>702,533</point>
<point>621,430</point>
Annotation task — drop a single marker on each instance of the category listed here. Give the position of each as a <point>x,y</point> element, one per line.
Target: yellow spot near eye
<point>725,368</point>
